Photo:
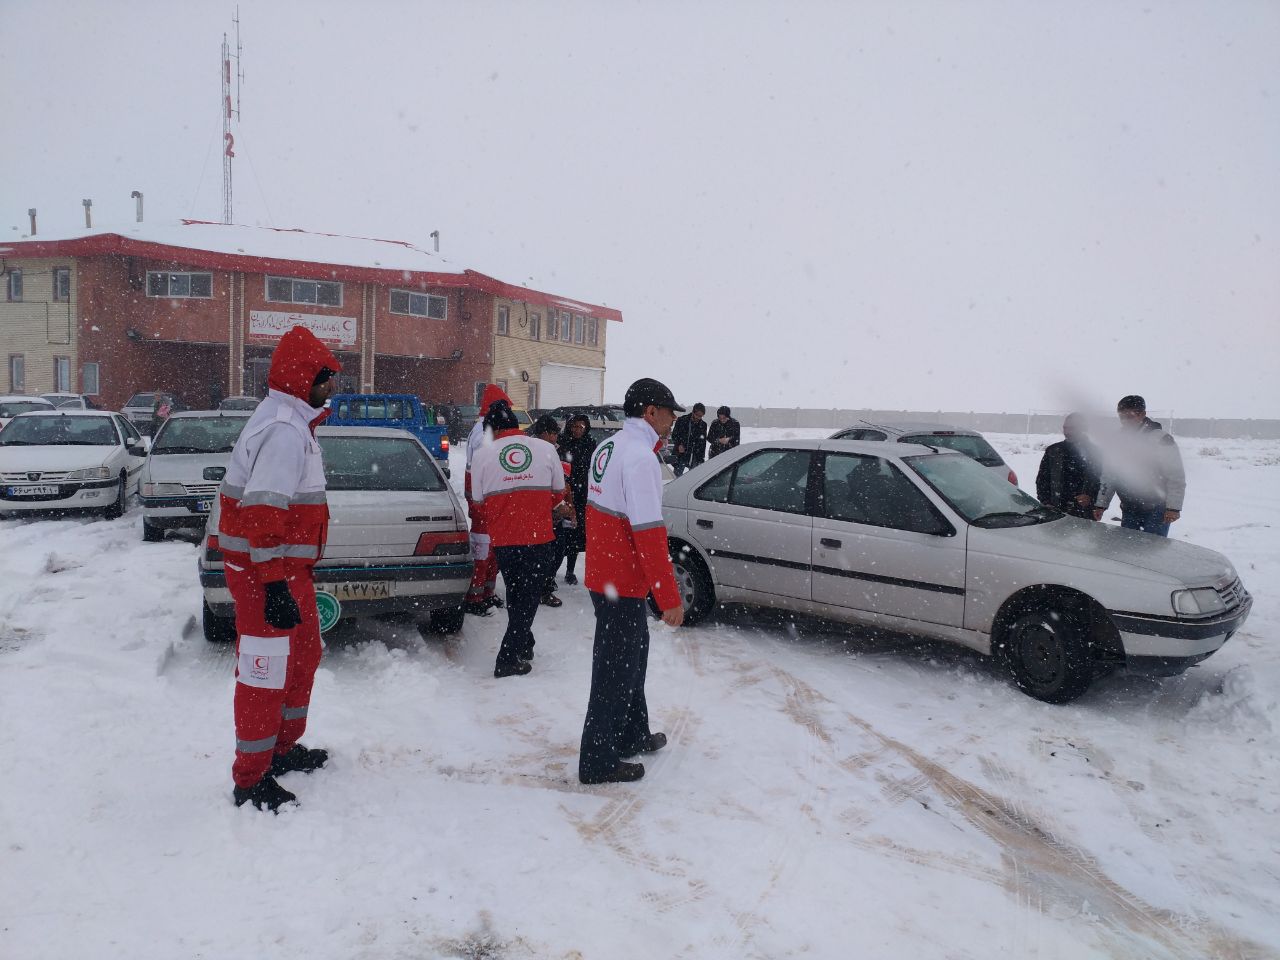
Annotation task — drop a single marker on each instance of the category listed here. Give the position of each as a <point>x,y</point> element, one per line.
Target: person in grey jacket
<point>1145,470</point>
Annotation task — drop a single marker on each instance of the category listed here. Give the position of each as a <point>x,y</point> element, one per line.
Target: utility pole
<point>228,111</point>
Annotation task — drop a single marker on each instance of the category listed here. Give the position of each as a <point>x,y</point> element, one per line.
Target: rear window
<point>975,448</point>
<point>378,463</point>
<point>141,400</point>
<point>239,403</point>
<point>11,408</point>
<point>198,435</point>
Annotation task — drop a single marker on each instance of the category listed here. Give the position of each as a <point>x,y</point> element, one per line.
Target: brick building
<point>196,308</point>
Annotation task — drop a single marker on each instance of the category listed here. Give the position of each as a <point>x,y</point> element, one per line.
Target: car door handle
<point>706,524</point>
<point>828,542</point>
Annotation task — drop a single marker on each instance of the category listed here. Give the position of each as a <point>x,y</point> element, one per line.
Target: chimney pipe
<point>88,217</point>
<point>435,235</point>
<point>32,214</point>
<point>137,195</point>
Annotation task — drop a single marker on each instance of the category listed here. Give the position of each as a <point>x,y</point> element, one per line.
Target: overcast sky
<point>944,205</point>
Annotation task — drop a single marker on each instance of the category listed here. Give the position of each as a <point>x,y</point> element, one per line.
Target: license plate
<point>370,590</point>
<point>202,506</point>
<point>40,491</point>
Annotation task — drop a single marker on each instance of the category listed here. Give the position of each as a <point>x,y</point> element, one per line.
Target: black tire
<point>694,583</point>
<point>151,533</point>
<point>1047,652</point>
<point>118,507</point>
<point>218,629</point>
<point>446,621</point>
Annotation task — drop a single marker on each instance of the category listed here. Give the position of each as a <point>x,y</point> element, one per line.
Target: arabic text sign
<point>276,323</point>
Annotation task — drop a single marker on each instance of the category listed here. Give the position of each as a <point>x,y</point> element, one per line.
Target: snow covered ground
<point>824,795</point>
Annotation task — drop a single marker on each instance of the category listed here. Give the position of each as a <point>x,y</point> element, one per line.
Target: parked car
<point>604,418</point>
<point>921,540</point>
<point>140,409</point>
<point>71,401</point>
<point>69,460</point>
<point>185,467</point>
<point>395,411</point>
<point>398,537</point>
<point>15,404</point>
<point>969,442</point>
<point>461,420</point>
<point>240,403</point>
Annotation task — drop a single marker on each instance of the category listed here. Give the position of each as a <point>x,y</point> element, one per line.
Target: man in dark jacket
<point>577,447</point>
<point>689,440</point>
<point>724,434</point>
<point>1070,471</point>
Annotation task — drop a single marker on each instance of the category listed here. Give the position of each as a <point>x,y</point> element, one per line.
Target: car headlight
<point>92,473</point>
<point>163,490</point>
<point>1197,602</point>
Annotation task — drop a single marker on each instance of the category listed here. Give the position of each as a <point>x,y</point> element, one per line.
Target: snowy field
<point>824,795</point>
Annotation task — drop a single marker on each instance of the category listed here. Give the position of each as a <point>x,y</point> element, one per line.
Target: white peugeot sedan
<point>916,540</point>
<point>182,474</point>
<point>398,537</point>
<point>69,460</point>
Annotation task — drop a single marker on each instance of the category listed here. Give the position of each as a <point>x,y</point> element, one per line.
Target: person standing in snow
<point>482,595</point>
<point>1145,470</point>
<point>576,449</point>
<point>273,520</point>
<point>1069,476</point>
<point>689,440</point>
<point>547,429</point>
<point>724,434</point>
<point>517,484</point>
<point>627,560</point>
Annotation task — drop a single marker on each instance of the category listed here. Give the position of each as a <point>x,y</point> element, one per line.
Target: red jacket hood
<point>299,357</point>
<point>492,393</point>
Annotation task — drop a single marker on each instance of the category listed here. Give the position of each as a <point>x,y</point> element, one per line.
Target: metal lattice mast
<point>228,111</point>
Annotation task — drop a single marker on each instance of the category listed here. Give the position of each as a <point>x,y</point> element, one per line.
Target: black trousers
<point>524,570</point>
<point>617,713</point>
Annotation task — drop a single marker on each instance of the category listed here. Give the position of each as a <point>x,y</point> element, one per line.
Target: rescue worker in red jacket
<point>627,559</point>
<point>517,484</point>
<point>272,523</point>
<point>482,595</point>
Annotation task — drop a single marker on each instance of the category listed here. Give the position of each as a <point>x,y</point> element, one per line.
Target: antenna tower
<point>229,111</point>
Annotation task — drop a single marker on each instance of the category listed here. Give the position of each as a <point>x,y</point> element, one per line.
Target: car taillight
<point>444,444</point>
<point>442,545</point>
<point>212,552</point>
<point>1013,478</point>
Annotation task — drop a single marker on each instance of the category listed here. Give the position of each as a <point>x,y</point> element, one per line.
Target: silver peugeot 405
<point>921,540</point>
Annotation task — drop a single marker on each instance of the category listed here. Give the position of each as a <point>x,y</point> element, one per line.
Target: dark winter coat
<point>731,428</point>
<point>1067,471</point>
<point>692,435</point>
<point>578,454</point>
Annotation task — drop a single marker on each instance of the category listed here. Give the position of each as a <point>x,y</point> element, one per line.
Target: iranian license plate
<point>369,590</point>
<point>44,490</point>
<point>202,506</point>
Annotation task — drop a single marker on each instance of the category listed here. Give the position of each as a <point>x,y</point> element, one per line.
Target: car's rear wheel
<point>118,506</point>
<point>697,595</point>
<point>447,621</point>
<point>152,533</point>
<point>218,629</point>
<point>1047,651</point>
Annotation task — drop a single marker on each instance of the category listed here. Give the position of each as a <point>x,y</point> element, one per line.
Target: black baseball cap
<point>645,392</point>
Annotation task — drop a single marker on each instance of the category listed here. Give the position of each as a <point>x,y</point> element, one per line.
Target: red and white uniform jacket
<point>516,482</point>
<point>626,536</point>
<point>478,438</point>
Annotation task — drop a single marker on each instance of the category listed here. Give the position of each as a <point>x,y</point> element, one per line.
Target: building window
<point>566,326</point>
<point>553,326</point>
<point>62,374</point>
<point>535,326</point>
<point>17,373</point>
<point>479,393</point>
<point>578,324</point>
<point>504,319</point>
<point>180,286</point>
<point>89,379</point>
<point>324,293</point>
<point>418,304</point>
<point>13,286</point>
<point>501,385</point>
<point>533,397</point>
<point>61,284</point>
<point>593,331</point>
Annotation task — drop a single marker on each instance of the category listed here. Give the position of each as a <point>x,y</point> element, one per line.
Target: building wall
<point>39,328</point>
<point>516,352</point>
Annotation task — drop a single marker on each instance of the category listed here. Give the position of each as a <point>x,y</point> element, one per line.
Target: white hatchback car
<point>185,468</point>
<point>69,460</point>
<point>11,406</point>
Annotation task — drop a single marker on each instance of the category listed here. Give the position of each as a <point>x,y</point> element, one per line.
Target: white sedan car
<point>69,460</point>
<point>11,406</point>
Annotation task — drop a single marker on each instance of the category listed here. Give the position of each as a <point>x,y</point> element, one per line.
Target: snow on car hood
<point>53,458</point>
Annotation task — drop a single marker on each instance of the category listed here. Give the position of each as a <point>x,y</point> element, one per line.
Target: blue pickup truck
<point>400,411</point>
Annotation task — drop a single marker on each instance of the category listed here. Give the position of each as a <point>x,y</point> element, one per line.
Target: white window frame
<point>504,320</point>
<point>87,381</point>
<point>566,327</point>
<point>13,286</point>
<point>502,385</point>
<point>579,328</point>
<point>533,397</point>
<point>17,373</point>
<point>61,374</point>
<point>535,326</point>
<point>293,291</point>
<point>170,275</point>
<point>593,331</point>
<point>419,304</point>
<point>61,274</point>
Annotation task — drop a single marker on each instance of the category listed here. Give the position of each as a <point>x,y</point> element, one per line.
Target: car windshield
<point>59,431</point>
<point>198,435</point>
<point>239,403</point>
<point>973,447</point>
<point>978,495</point>
<point>378,463</point>
<point>141,400</point>
<point>11,408</point>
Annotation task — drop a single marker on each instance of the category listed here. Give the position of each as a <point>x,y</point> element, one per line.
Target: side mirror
<point>214,473</point>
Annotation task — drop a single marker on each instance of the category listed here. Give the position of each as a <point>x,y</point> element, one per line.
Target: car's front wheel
<point>1047,651</point>
<point>218,629</point>
<point>152,533</point>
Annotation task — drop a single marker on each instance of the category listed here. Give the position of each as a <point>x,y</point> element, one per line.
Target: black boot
<point>299,758</point>
<point>517,669</point>
<point>265,793</point>
<point>622,773</point>
<point>477,609</point>
<point>654,743</point>
<point>495,601</point>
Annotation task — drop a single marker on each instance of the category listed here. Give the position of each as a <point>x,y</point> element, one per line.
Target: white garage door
<point>563,384</point>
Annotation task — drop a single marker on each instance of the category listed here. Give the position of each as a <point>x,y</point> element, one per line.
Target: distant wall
<point>1038,423</point>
